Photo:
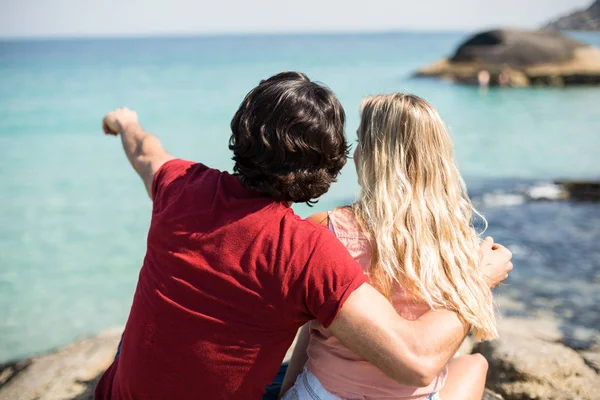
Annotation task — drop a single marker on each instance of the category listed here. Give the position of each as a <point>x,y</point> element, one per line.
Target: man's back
<point>228,278</point>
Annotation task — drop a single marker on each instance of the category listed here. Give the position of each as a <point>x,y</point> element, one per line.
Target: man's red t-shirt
<point>228,278</point>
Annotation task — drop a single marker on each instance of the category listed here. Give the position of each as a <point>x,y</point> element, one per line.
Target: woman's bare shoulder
<point>320,217</point>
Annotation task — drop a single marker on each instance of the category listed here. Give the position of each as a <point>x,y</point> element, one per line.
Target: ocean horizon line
<point>193,35</point>
<point>250,34</point>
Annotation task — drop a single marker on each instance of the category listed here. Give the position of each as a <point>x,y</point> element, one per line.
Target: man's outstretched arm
<point>143,150</point>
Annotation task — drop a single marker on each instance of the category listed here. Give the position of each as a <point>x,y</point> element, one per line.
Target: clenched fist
<point>495,262</point>
<point>117,121</point>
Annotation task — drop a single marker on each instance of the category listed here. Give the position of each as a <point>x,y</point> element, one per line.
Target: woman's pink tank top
<point>341,371</point>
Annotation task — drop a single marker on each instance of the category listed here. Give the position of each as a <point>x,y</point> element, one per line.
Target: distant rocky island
<point>583,20</point>
<point>514,58</point>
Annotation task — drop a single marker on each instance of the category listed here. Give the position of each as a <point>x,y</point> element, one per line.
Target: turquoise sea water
<point>73,215</point>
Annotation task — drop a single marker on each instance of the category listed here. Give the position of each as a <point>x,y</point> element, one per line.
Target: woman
<point>411,231</point>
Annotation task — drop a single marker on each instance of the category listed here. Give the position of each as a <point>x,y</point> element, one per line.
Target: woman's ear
<point>356,157</point>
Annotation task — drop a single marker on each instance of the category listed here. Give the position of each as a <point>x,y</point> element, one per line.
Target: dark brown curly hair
<point>287,138</point>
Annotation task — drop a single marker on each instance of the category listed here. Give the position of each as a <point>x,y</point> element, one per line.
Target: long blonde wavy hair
<point>415,211</point>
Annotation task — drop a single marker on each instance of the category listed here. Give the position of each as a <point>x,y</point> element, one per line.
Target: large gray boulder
<point>520,58</point>
<point>523,367</point>
<point>517,48</point>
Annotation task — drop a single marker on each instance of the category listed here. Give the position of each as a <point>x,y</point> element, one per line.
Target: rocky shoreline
<point>533,359</point>
<point>70,372</point>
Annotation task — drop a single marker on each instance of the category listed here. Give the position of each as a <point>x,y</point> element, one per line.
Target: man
<point>231,272</point>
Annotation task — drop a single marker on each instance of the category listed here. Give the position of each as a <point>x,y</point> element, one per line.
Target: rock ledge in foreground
<point>523,367</point>
<point>69,373</point>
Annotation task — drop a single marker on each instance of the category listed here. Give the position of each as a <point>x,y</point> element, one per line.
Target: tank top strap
<point>342,222</point>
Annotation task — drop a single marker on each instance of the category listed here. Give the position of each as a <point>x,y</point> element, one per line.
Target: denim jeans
<point>308,387</point>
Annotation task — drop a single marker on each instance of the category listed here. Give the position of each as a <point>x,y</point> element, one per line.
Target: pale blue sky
<point>150,17</point>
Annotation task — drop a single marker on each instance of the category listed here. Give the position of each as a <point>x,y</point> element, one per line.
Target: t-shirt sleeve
<point>166,174</point>
<point>330,276</point>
